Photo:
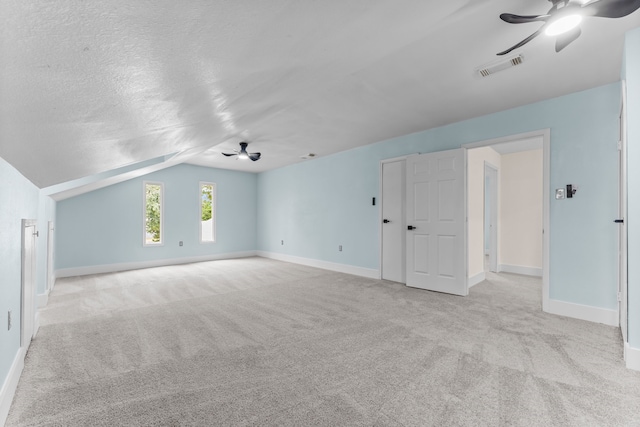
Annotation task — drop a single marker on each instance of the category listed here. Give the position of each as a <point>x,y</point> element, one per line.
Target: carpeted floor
<point>261,342</point>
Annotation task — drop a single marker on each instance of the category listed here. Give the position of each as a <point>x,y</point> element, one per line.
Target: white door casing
<point>622,215</point>
<point>28,295</point>
<point>50,246</point>
<point>393,235</point>
<point>436,247</point>
<point>491,173</point>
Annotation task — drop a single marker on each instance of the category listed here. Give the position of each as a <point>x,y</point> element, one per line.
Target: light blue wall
<point>105,226</point>
<point>631,70</point>
<point>317,205</point>
<point>19,199</point>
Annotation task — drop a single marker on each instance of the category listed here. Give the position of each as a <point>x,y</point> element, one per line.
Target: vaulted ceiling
<point>87,87</point>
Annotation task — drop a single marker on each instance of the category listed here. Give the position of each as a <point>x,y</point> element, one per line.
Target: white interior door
<point>621,220</point>
<point>436,247</point>
<point>393,235</point>
<point>27,318</point>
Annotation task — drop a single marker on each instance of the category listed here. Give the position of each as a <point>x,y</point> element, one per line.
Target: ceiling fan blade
<point>565,39</point>
<point>523,42</point>
<point>229,155</point>
<point>612,8</point>
<point>519,19</point>
<point>254,156</point>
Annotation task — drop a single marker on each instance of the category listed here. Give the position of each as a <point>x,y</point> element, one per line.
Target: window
<point>207,212</point>
<point>153,200</point>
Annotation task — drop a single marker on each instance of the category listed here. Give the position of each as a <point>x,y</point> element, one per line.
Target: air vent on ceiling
<point>502,64</point>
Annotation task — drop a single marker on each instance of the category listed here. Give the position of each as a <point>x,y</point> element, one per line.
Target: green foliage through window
<point>207,212</point>
<point>207,200</point>
<point>153,205</point>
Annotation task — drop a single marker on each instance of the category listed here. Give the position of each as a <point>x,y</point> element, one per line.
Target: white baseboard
<point>124,266</point>
<point>36,324</point>
<point>582,312</point>
<point>325,265</point>
<point>474,280</point>
<point>520,269</point>
<point>43,299</point>
<point>632,357</point>
<point>10,384</point>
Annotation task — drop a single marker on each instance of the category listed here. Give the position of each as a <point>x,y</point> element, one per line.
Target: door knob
<point>386,221</point>
<point>411,227</point>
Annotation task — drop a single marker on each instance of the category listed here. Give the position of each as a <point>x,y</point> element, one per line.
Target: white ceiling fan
<point>564,17</point>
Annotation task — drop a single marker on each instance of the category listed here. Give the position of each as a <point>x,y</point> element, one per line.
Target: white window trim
<point>144,214</point>
<point>214,206</point>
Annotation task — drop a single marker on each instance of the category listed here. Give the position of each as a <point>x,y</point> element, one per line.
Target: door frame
<point>380,204</point>
<point>623,280</point>
<point>546,179</point>
<point>27,317</point>
<point>493,248</point>
<point>50,281</point>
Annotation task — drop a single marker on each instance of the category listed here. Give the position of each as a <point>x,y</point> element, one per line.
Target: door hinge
<point>619,296</point>
<point>619,145</point>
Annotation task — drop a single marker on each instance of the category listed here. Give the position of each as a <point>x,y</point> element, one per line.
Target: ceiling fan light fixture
<point>564,24</point>
<point>242,154</point>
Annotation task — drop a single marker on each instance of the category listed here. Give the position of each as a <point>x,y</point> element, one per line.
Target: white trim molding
<point>370,273</point>
<point>10,385</point>
<point>474,280</point>
<point>36,325</point>
<point>582,312</point>
<point>43,299</point>
<point>632,357</point>
<point>124,266</point>
<point>520,269</point>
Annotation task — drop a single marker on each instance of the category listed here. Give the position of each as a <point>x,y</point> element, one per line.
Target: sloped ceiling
<point>91,86</point>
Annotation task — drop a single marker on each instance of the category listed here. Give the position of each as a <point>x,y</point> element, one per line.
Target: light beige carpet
<point>260,342</point>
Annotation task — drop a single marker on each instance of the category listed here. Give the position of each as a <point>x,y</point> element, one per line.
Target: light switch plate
<point>559,193</point>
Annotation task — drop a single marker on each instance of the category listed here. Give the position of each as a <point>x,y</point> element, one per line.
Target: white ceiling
<point>91,86</point>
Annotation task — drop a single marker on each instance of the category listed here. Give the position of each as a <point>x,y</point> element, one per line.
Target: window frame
<point>144,213</point>
<point>213,211</point>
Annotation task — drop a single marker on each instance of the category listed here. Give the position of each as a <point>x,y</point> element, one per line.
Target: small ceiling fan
<point>564,17</point>
<point>242,154</point>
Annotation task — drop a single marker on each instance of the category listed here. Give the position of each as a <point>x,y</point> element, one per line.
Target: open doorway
<point>507,196</point>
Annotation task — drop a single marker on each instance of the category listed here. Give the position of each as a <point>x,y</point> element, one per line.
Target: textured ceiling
<point>91,86</point>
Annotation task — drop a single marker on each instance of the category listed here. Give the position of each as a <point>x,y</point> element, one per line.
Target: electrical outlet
<point>9,320</point>
<point>282,242</point>
<point>180,243</point>
<point>340,248</point>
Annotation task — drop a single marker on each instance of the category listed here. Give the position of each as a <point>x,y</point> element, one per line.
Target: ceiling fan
<point>242,154</point>
<point>564,17</point>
